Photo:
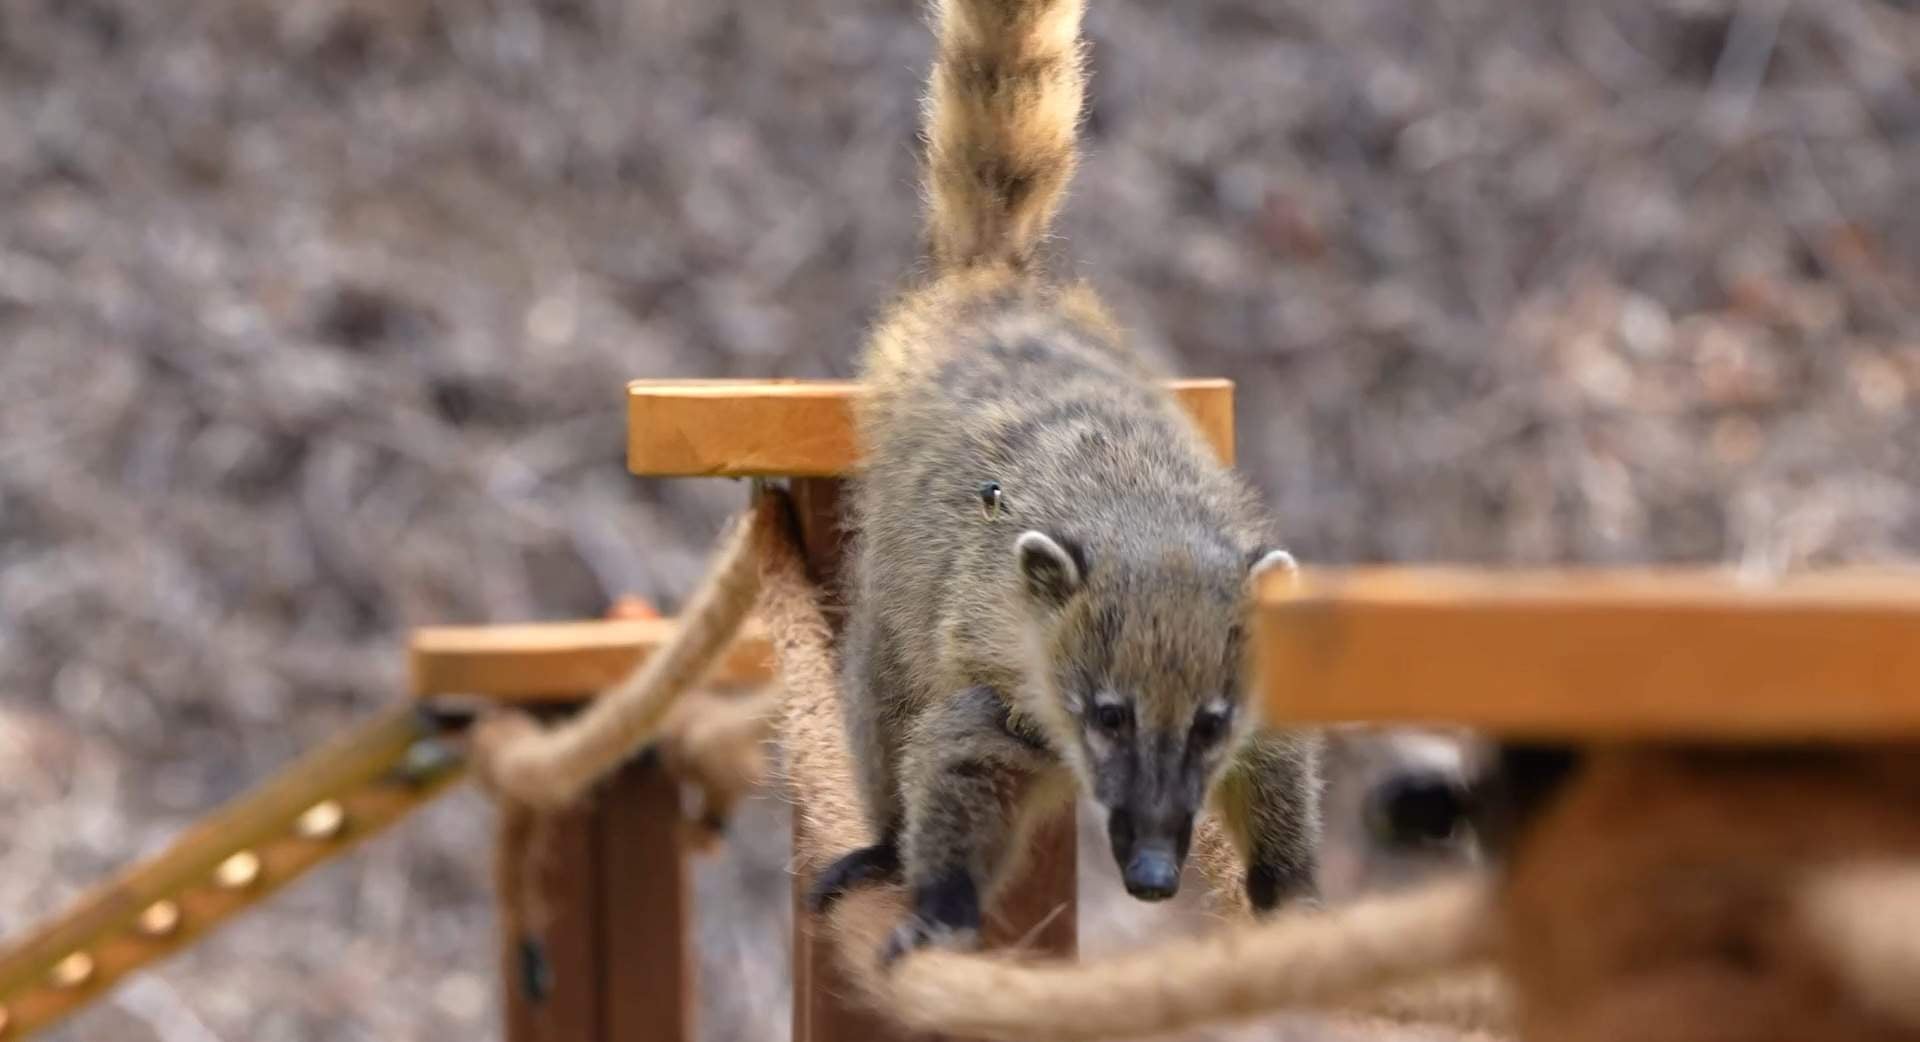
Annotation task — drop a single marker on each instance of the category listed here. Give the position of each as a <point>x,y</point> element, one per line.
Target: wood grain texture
<point>1597,655</point>
<point>799,428</point>
<point>559,661</point>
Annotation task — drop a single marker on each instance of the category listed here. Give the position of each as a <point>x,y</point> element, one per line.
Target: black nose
<point>1152,874</point>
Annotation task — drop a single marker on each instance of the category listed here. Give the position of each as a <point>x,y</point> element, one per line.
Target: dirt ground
<point>314,316</point>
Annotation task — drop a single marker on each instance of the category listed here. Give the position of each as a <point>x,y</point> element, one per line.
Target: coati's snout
<point>1149,858</point>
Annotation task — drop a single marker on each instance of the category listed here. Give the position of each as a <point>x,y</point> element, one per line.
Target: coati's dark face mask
<point>1152,778</point>
<point>1146,655</point>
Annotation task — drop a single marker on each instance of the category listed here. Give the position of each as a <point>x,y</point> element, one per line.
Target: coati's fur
<point>1051,569</point>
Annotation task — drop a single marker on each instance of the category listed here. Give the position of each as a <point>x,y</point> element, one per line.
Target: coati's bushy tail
<point>1002,112</point>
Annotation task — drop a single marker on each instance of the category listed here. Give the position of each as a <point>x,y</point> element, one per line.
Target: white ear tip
<point>1033,540</point>
<point>1276,561</point>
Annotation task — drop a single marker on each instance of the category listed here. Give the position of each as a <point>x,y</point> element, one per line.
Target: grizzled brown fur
<point>1051,569</point>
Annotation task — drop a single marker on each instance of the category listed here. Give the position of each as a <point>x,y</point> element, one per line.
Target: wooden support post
<point>1039,911</point>
<point>569,1008</point>
<point>645,921</point>
<point>617,946</point>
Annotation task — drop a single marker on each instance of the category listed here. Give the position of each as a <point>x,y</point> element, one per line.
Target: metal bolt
<point>323,820</point>
<point>160,919</point>
<point>239,871</point>
<point>72,971</point>
<point>426,760</point>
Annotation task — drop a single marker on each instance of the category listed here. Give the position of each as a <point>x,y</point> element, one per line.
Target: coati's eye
<point>1209,726</point>
<point>990,499</point>
<point>1109,716</point>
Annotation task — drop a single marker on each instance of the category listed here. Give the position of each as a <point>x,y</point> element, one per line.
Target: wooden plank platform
<point>1596,654</point>
<point>559,661</point>
<point>799,428</point>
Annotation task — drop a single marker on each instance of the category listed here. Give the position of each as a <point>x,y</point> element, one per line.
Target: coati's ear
<point>1271,561</point>
<point>1051,574</point>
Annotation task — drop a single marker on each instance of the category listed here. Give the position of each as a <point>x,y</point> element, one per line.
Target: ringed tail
<point>1002,115</point>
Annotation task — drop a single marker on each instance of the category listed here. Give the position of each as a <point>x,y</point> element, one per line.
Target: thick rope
<point>551,768</point>
<point>1294,960</point>
<point>1865,921</point>
<point>715,744</point>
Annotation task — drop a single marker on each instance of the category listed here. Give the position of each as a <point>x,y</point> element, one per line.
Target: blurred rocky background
<point>314,316</point>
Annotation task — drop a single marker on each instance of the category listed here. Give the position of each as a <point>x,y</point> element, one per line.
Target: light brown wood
<point>560,661</point>
<point>1596,654</point>
<point>356,770</point>
<point>800,428</point>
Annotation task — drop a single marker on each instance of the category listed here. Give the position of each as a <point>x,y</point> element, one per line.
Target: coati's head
<point>1138,655</point>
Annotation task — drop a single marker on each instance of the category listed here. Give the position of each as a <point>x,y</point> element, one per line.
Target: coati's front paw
<point>917,933</point>
<point>946,914</point>
<point>1270,886</point>
<point>879,863</point>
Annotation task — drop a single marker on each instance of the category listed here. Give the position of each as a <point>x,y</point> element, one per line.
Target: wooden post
<point>646,905</point>
<point>615,878</point>
<point>1038,912</point>
<point>570,1008</point>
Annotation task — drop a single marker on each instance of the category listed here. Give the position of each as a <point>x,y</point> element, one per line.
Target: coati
<point>1050,570</point>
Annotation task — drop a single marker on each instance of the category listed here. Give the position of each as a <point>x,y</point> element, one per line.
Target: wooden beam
<point>559,661</point>
<point>315,810</point>
<point>1596,655</point>
<point>799,428</point>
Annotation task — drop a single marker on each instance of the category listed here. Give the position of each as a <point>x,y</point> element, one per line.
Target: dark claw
<point>1263,887</point>
<point>916,933</point>
<point>879,863</point>
<point>946,914</point>
<point>1269,887</point>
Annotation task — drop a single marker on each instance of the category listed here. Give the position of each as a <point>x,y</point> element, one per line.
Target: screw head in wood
<point>426,760</point>
<point>323,820</point>
<point>72,971</point>
<point>239,871</point>
<point>160,919</point>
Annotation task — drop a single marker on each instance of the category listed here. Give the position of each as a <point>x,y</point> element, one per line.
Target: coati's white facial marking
<point>1212,723</point>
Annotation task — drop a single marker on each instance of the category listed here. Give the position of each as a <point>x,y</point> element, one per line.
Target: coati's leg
<point>965,779</point>
<point>1270,804</point>
<point>879,863</point>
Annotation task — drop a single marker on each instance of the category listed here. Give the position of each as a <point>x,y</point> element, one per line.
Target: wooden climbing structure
<point>803,431</point>
<point>1656,676</point>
